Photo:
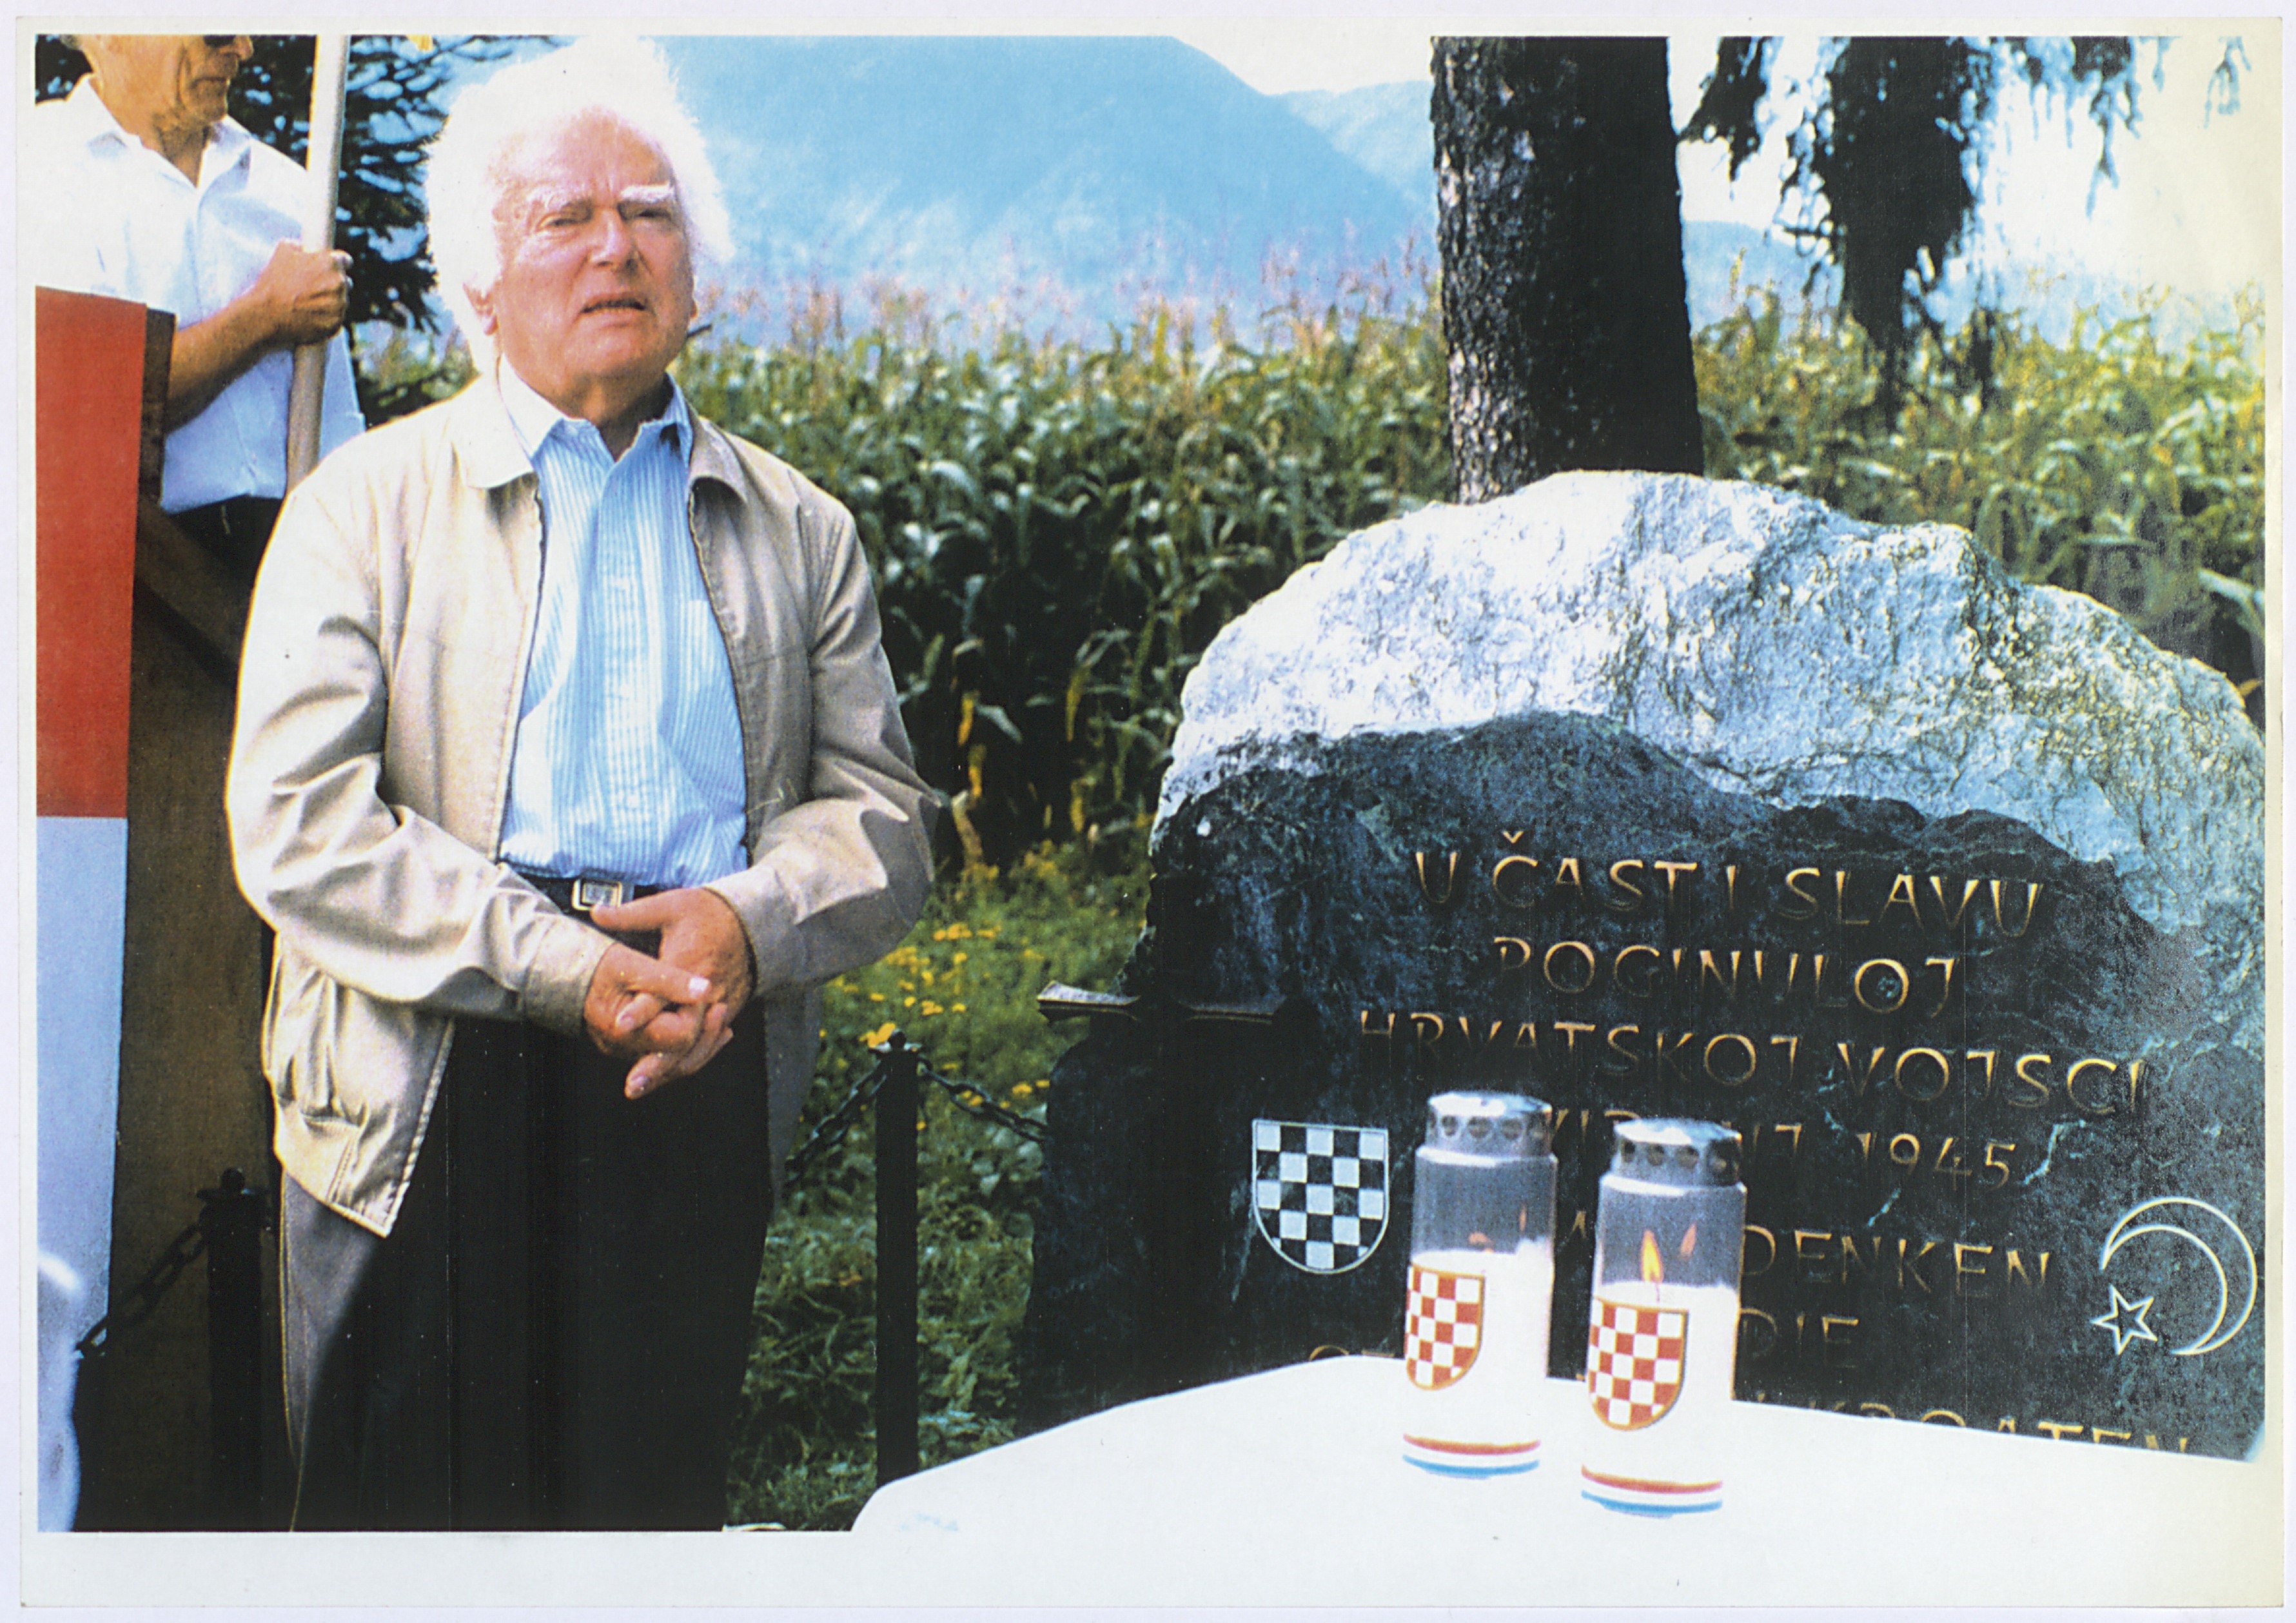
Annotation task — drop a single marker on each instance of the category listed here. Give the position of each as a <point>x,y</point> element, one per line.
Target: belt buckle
<point>590,894</point>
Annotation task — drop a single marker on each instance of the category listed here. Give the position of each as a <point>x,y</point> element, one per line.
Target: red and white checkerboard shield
<point>1634,1362</point>
<point>1443,1326</point>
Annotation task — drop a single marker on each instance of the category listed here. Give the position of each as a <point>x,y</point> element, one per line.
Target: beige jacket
<point>378,696</point>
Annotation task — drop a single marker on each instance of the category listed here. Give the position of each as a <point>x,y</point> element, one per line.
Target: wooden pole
<point>303,398</point>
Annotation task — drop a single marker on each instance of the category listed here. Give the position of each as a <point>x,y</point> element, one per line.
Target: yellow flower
<point>908,1002</point>
<point>930,1007</point>
<point>956,1008</point>
<point>960,958</point>
<point>870,1039</point>
<point>876,997</point>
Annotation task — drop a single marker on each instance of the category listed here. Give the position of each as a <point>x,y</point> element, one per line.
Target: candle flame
<point>1689,1240</point>
<point>1653,1268</point>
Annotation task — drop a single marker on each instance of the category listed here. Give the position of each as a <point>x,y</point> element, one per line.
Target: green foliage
<point>1889,151</point>
<point>963,987</point>
<point>2110,463</point>
<point>1058,529</point>
<point>1886,160</point>
<point>406,372</point>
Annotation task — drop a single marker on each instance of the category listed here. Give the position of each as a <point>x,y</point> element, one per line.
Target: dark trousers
<point>555,1333</point>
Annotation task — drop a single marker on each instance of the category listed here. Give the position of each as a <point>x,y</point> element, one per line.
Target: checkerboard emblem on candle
<point>1481,1284</point>
<point>1663,1329</point>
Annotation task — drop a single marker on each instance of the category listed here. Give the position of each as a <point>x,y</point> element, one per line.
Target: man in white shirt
<point>140,185</point>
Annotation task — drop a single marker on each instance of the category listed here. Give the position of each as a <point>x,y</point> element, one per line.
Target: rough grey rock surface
<point>1778,650</point>
<point>1635,673</point>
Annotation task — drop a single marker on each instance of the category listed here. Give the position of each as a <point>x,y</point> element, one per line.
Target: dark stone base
<point>1925,1223</point>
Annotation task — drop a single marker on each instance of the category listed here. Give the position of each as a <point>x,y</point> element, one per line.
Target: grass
<point>963,988</point>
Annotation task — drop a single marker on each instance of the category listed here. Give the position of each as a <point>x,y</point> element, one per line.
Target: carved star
<point>2134,1329</point>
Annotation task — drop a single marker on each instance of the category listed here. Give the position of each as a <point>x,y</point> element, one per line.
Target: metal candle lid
<point>1694,1154</point>
<point>1490,1124</point>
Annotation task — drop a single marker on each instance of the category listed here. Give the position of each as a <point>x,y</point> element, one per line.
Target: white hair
<point>623,79</point>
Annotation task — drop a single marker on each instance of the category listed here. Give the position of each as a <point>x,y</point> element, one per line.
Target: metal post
<point>1169,1175</point>
<point>231,1221</point>
<point>896,1262</point>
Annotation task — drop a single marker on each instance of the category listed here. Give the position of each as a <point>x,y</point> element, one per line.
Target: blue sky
<point>2197,207</point>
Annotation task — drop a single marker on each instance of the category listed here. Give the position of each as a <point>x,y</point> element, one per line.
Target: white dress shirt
<point>103,213</point>
<point>628,760</point>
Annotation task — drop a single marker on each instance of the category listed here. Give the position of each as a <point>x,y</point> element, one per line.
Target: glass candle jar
<point>1482,1284</point>
<point>1663,1331</point>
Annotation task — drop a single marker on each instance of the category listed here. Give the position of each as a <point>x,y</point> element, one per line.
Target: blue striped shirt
<point>628,760</point>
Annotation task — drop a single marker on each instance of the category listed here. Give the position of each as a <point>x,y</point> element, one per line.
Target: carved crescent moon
<point>2216,1335</point>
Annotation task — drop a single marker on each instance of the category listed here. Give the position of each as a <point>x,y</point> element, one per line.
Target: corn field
<point>1059,530</point>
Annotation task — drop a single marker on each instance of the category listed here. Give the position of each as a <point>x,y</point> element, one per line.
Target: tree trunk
<point>1565,310</point>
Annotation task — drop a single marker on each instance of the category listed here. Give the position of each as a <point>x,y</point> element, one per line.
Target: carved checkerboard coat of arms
<point>1319,1192</point>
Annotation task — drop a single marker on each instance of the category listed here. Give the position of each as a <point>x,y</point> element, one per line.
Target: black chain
<point>184,1249</point>
<point>831,1130</point>
<point>973,1100</point>
<point>189,1246</point>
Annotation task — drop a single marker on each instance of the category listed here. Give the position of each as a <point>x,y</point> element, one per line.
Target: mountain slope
<point>1383,128</point>
<point>1098,163</point>
<point>1080,173</point>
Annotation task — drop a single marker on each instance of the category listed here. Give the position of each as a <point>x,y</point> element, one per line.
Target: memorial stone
<point>1647,795</point>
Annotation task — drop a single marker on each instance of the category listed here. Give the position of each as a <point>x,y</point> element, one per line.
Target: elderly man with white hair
<point>568,766</point>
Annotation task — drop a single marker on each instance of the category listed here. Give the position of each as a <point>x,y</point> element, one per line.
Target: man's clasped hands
<point>671,1012</point>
